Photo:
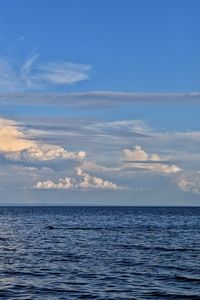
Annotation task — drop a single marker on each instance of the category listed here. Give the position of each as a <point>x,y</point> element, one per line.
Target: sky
<point>99,102</point>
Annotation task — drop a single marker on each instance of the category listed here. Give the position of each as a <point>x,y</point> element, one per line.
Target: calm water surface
<point>99,253</point>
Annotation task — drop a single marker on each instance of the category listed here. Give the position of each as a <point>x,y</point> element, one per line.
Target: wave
<point>169,295</point>
<point>187,278</point>
<point>86,228</point>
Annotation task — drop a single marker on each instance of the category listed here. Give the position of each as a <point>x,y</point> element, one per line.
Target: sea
<point>99,253</point>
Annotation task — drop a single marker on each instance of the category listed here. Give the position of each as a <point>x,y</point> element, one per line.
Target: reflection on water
<point>99,253</point>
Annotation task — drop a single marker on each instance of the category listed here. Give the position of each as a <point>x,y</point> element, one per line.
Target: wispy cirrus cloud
<point>34,75</point>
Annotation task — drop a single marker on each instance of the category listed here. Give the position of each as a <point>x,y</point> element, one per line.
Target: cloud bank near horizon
<point>43,162</point>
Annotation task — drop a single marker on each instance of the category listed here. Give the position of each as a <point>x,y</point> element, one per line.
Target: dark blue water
<point>99,253</point>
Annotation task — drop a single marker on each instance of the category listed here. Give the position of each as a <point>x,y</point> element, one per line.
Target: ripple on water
<point>99,253</point>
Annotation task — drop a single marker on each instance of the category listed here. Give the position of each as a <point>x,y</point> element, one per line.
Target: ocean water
<point>99,253</point>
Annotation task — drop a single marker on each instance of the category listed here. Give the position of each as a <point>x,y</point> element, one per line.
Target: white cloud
<point>190,182</point>
<point>36,75</point>
<point>63,184</point>
<point>8,77</point>
<point>89,181</point>
<point>83,181</point>
<point>139,159</point>
<point>63,73</point>
<point>44,152</point>
<point>15,145</point>
<point>136,154</point>
<point>11,138</point>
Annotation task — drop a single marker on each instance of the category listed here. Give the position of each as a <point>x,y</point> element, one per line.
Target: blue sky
<point>99,102</point>
<point>132,45</point>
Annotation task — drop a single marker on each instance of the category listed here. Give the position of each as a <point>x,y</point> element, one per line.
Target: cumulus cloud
<point>139,159</point>
<point>63,184</point>
<point>136,154</point>
<point>44,152</point>
<point>11,138</point>
<point>190,183</point>
<point>83,181</point>
<point>15,145</point>
<point>35,75</point>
